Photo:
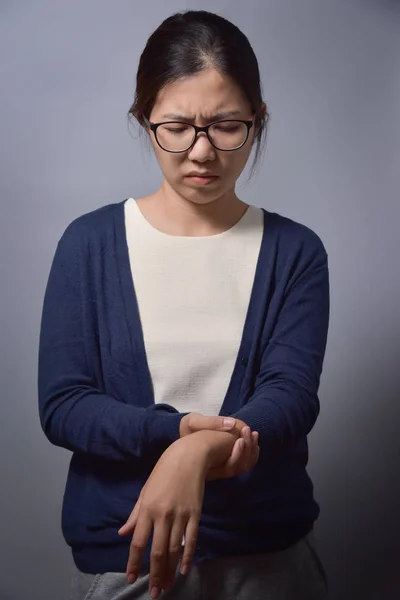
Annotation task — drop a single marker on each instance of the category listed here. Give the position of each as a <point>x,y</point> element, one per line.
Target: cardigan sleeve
<point>284,405</point>
<point>74,414</point>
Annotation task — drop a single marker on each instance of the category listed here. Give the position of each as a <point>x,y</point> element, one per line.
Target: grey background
<point>331,75</point>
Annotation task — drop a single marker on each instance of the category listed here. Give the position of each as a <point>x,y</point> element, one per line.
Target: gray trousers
<point>293,574</point>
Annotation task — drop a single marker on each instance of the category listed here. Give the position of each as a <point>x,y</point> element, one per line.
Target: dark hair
<point>189,42</point>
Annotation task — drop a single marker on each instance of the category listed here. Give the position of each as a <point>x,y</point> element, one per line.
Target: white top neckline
<point>240,224</point>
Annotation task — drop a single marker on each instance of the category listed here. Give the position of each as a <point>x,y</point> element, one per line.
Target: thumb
<point>200,422</point>
<point>130,524</point>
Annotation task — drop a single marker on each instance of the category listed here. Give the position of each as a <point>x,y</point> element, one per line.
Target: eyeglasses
<point>177,136</point>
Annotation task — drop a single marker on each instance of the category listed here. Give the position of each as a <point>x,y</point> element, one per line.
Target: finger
<point>159,557</point>
<point>191,534</point>
<point>130,524</point>
<point>255,448</point>
<point>174,552</point>
<point>247,456</point>
<point>246,435</point>
<point>232,466</point>
<point>235,458</point>
<point>243,462</point>
<point>237,453</point>
<point>254,440</point>
<point>137,547</point>
<point>198,422</point>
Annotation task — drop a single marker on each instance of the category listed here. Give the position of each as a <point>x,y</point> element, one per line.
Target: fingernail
<point>155,592</point>
<point>132,577</point>
<point>228,422</point>
<point>184,570</point>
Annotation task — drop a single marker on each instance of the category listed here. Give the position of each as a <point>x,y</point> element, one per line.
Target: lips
<point>202,179</point>
<point>207,175</point>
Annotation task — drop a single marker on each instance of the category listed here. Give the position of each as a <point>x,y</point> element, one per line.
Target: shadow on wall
<point>361,495</point>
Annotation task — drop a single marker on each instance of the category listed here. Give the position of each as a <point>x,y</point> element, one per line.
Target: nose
<point>202,150</point>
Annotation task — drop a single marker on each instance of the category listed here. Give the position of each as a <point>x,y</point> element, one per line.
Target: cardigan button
<point>245,361</point>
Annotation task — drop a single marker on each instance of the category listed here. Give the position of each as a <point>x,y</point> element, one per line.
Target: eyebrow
<point>214,117</point>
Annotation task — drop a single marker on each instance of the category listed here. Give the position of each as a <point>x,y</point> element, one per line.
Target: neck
<point>174,214</point>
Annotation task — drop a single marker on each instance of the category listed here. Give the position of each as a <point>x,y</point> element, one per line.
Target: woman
<point>182,343</point>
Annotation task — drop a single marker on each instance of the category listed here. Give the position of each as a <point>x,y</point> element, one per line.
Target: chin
<point>197,198</point>
<point>202,195</point>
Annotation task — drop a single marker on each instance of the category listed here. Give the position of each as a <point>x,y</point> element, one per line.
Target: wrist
<point>192,449</point>
<point>213,448</point>
<point>205,449</point>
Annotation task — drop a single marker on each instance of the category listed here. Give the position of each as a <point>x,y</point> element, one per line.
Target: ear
<point>263,114</point>
<point>263,109</point>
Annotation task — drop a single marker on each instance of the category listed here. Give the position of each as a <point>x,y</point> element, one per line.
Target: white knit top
<point>193,294</point>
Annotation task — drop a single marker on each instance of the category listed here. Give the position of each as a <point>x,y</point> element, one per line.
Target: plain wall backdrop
<point>331,78</point>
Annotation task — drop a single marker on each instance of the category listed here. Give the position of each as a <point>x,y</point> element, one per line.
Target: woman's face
<point>201,99</point>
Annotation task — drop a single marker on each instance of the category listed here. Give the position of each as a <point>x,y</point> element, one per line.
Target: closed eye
<point>227,128</point>
<point>176,130</point>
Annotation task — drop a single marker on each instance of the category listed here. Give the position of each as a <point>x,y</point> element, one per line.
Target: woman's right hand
<point>169,507</point>
<point>194,422</point>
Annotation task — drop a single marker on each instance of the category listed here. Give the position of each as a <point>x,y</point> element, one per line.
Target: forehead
<point>201,96</point>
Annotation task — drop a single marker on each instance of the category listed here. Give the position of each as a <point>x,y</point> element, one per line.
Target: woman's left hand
<point>243,458</point>
<point>169,506</point>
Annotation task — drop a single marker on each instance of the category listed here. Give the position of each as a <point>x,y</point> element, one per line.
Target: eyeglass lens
<point>225,135</point>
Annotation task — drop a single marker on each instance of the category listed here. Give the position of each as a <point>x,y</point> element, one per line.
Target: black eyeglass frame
<point>154,126</point>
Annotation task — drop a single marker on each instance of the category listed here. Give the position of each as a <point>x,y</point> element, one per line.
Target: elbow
<point>47,423</point>
<point>296,410</point>
<point>50,422</point>
<point>313,412</point>
<point>301,412</point>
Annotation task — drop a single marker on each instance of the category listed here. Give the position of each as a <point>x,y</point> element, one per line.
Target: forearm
<point>89,422</point>
<point>282,415</point>
<point>284,405</point>
<point>75,412</point>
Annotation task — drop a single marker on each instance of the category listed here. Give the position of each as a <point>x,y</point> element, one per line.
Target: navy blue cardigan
<point>96,397</point>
